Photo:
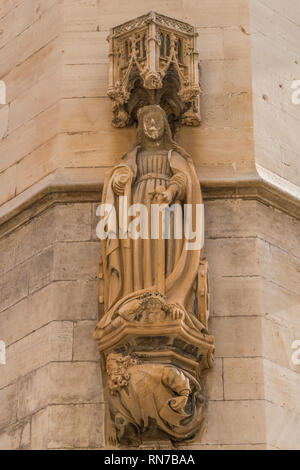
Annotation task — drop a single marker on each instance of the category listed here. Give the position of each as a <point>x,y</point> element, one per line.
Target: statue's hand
<point>120,179</point>
<point>163,197</point>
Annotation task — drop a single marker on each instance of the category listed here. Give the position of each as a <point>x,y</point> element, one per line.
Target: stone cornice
<point>85,185</point>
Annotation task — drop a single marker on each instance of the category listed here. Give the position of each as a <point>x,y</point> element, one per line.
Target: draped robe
<point>130,266</point>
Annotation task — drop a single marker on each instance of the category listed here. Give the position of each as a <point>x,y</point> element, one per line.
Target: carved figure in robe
<point>155,171</point>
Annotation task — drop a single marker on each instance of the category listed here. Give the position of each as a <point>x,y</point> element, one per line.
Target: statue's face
<point>153,124</point>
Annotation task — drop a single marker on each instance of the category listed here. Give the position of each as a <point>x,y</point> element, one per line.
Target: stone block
<point>80,15</point>
<point>76,261</point>
<point>63,383</point>
<point>85,81</point>
<point>95,149</point>
<point>8,184</point>
<point>41,270</point>
<point>34,100</point>
<point>63,301</point>
<point>76,426</point>
<point>277,343</point>
<point>52,343</point>
<point>232,257</point>
<point>216,12</point>
<point>75,300</point>
<point>4,115</point>
<point>85,347</point>
<point>235,423</point>
<point>38,67</point>
<point>117,12</point>
<point>237,43</point>
<point>85,48</point>
<point>211,44</point>
<point>237,337</point>
<point>69,222</point>
<point>8,405</point>
<point>213,383</point>
<point>235,296</point>
<point>282,386</point>
<point>40,33</point>
<point>230,218</point>
<point>13,287</point>
<point>278,229</point>
<point>22,17</point>
<point>39,430</point>
<point>29,137</point>
<point>244,379</point>
<point>16,437</point>
<point>218,147</point>
<point>280,305</point>
<point>283,428</point>
<point>37,165</point>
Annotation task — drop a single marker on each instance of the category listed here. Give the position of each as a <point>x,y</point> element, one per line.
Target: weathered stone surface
<point>21,17</point>
<point>16,437</point>
<point>283,428</point>
<point>214,388</point>
<point>85,80</point>
<point>235,422</point>
<point>36,68</point>
<point>64,383</point>
<point>280,305</point>
<point>85,348</point>
<point>278,266</point>
<point>29,137</point>
<point>235,296</point>
<point>76,261</point>
<point>75,426</point>
<point>58,301</point>
<point>277,343</point>
<point>8,184</point>
<point>243,379</point>
<point>52,343</point>
<point>40,270</point>
<point>282,386</point>
<point>13,287</point>
<point>231,219</point>
<point>232,257</point>
<point>8,404</point>
<point>278,229</point>
<point>4,113</point>
<point>61,223</point>
<point>216,12</point>
<point>275,65</point>
<point>39,430</point>
<point>237,337</point>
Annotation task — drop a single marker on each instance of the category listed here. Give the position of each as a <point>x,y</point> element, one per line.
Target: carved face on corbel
<point>153,125</point>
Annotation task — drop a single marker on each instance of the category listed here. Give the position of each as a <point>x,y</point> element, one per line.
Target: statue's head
<point>153,125</point>
<point>153,122</point>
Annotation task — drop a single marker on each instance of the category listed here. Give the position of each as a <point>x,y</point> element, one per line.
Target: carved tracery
<point>158,55</point>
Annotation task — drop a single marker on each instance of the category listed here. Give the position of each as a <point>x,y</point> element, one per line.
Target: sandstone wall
<point>50,389</point>
<point>54,61</point>
<point>275,35</point>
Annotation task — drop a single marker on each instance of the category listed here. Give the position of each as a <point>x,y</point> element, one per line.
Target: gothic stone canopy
<point>154,60</point>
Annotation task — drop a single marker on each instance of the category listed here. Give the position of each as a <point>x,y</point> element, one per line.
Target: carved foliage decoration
<point>154,60</point>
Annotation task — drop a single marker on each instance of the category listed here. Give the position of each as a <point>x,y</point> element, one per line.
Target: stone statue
<point>153,335</point>
<point>156,171</point>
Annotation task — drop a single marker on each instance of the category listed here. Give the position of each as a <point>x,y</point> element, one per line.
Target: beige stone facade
<point>57,142</point>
